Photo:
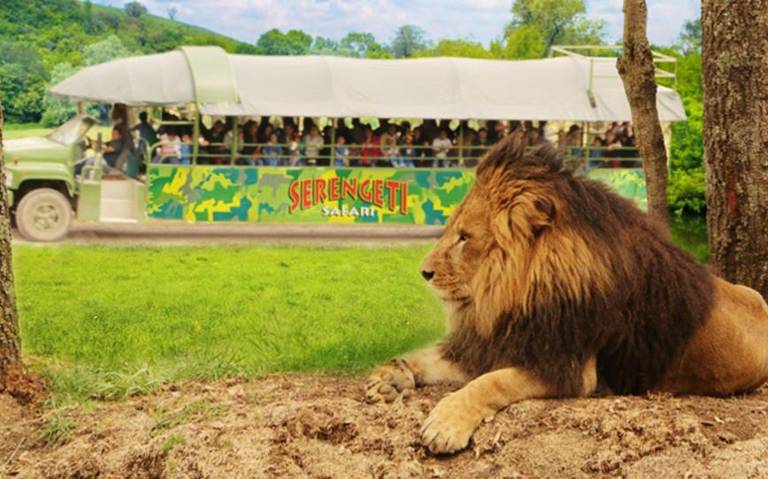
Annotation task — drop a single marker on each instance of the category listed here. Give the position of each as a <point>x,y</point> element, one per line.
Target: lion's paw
<point>449,426</point>
<point>389,382</point>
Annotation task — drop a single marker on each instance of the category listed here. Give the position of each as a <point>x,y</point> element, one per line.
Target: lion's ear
<point>543,215</point>
<point>528,219</point>
<point>510,149</point>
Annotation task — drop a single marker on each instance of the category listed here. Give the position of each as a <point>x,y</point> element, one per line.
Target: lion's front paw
<point>450,425</point>
<point>390,381</point>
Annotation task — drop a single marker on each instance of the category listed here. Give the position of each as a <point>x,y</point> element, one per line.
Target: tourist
<point>342,152</point>
<point>313,141</point>
<point>370,151</point>
<point>271,153</point>
<point>441,147</point>
<point>145,129</point>
<point>389,146</point>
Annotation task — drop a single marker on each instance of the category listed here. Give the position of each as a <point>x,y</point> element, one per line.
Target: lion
<point>552,284</point>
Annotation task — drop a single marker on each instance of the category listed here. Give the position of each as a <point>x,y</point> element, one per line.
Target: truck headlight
<point>8,178</point>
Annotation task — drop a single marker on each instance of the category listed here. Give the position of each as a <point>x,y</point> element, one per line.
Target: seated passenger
<point>342,152</point>
<point>313,141</point>
<point>145,129</point>
<point>185,148</point>
<point>170,147</point>
<point>370,151</point>
<point>441,147</point>
<point>407,152</point>
<point>271,154</point>
<point>389,147</point>
<point>114,148</point>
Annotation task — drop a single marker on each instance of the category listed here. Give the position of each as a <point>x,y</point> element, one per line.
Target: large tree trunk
<point>735,71</point>
<point>10,346</point>
<point>639,76</point>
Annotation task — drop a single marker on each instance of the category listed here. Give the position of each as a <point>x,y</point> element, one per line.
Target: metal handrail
<point>296,157</point>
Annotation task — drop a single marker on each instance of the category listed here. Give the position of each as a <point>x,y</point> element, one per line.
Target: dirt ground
<point>315,426</point>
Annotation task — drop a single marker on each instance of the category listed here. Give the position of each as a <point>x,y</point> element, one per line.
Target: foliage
<point>690,39</point>
<point>557,21</point>
<point>353,44</point>
<point>363,45</point>
<point>58,110</point>
<point>686,187</point>
<point>524,42</point>
<point>38,35</point>
<point>23,82</point>
<point>408,40</point>
<point>108,49</point>
<point>292,42</point>
<point>135,9</point>
<point>456,48</point>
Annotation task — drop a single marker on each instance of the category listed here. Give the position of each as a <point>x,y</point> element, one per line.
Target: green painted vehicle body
<point>46,160</point>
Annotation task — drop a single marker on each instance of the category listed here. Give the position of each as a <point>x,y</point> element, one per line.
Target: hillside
<point>38,35</point>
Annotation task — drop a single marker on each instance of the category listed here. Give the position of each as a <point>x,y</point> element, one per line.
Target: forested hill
<point>39,37</point>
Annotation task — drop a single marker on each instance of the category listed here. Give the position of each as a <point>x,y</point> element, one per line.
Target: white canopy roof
<point>446,88</point>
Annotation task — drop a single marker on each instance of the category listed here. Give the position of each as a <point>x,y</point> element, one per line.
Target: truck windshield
<point>72,131</point>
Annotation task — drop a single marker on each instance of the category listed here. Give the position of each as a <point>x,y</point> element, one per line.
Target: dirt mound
<point>310,426</point>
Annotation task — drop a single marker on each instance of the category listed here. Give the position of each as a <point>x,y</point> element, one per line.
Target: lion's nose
<point>427,275</point>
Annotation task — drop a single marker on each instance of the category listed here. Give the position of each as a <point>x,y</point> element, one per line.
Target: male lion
<point>552,282</point>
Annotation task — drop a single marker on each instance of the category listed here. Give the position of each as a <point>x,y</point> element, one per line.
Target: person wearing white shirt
<point>441,146</point>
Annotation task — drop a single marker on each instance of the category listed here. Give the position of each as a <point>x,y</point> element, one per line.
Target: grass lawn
<point>109,321</point>
<point>15,131</point>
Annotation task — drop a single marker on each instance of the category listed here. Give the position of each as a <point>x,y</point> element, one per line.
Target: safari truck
<point>218,180</point>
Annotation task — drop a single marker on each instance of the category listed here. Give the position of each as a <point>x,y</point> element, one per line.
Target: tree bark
<point>735,71</point>
<point>10,345</point>
<point>639,77</point>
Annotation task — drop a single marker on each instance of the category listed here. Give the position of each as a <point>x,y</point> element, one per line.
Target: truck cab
<point>41,180</point>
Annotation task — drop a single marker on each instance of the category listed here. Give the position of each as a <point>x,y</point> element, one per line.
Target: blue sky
<point>481,20</point>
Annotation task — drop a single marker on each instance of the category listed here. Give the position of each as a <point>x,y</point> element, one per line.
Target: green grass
<point>106,322</point>
<point>109,322</point>
<point>690,233</point>
<point>16,131</point>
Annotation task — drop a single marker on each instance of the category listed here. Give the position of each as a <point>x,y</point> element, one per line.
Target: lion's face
<point>451,267</point>
<point>494,245</point>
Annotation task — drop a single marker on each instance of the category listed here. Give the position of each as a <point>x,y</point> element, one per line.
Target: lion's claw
<point>449,426</point>
<point>389,382</point>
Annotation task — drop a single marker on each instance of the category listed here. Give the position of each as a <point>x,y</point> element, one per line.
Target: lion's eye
<point>463,236</point>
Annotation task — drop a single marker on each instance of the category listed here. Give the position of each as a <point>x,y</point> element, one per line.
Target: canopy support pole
<point>461,145</point>
<point>196,136</point>
<point>588,143</point>
<point>233,147</point>
<point>333,142</point>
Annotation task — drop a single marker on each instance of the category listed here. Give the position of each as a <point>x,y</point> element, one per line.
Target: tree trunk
<point>639,77</point>
<point>10,346</point>
<point>735,71</point>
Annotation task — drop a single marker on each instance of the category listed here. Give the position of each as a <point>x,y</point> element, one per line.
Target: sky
<point>479,20</point>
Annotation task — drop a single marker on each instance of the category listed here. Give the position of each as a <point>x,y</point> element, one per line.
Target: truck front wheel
<point>43,214</point>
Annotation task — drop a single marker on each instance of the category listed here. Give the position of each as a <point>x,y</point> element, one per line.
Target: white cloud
<point>481,20</point>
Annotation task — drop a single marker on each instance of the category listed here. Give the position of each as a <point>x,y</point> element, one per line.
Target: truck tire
<point>44,214</point>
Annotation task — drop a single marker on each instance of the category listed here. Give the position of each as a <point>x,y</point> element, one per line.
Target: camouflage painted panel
<point>336,195</point>
<point>628,182</point>
<point>325,195</point>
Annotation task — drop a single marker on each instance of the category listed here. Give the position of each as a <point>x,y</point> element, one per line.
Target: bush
<point>685,191</point>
